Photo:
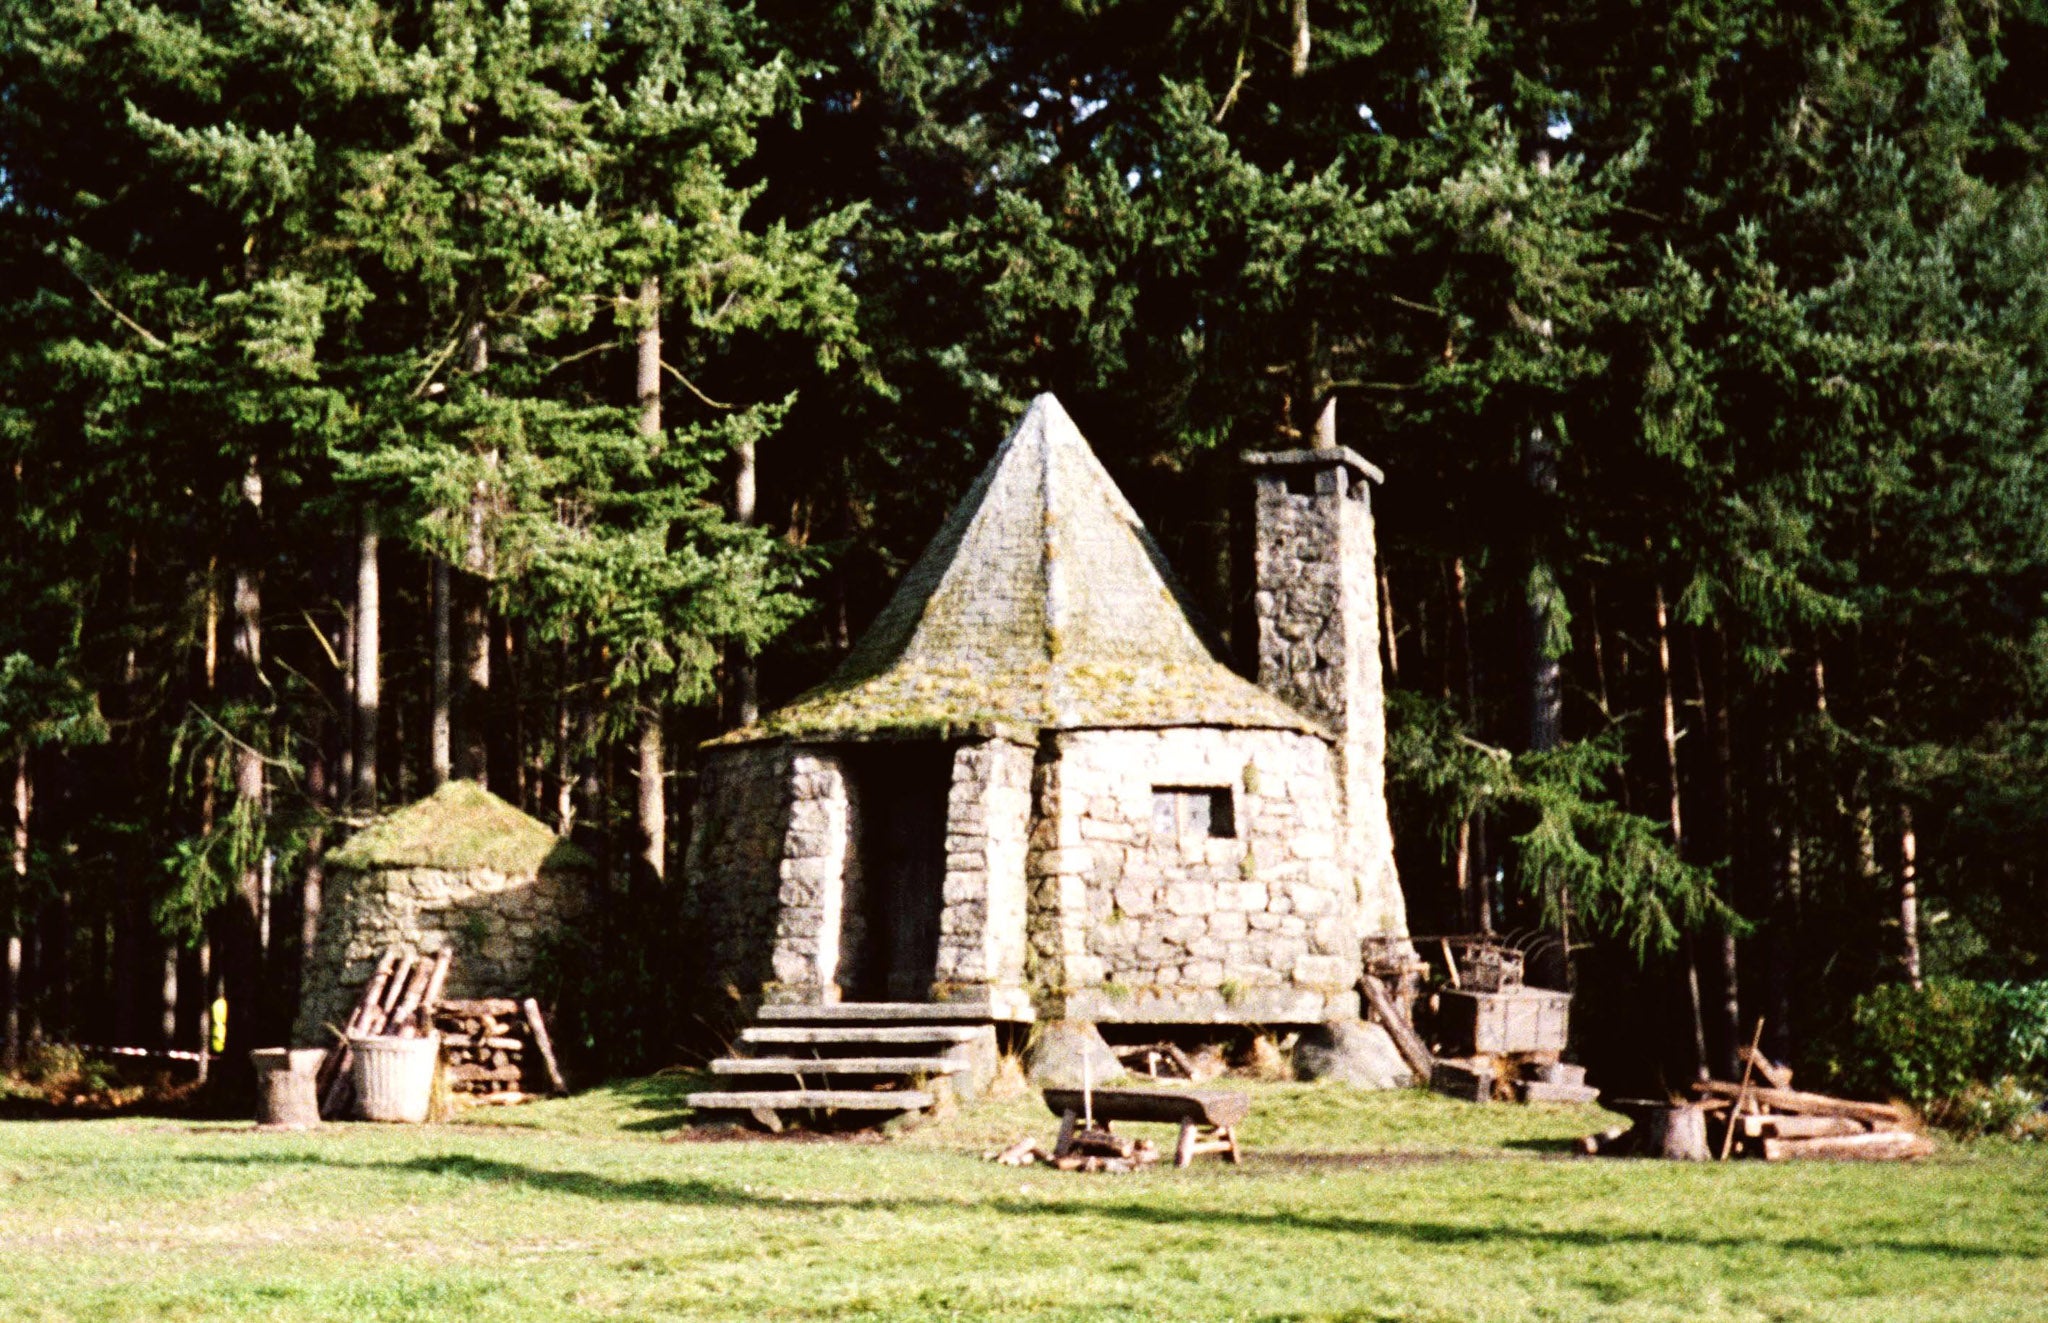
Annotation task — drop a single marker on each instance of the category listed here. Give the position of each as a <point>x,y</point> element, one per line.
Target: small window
<point>1179,811</point>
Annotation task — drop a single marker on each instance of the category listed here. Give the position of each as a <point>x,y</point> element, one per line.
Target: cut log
<point>1775,1075</point>
<point>423,977</point>
<point>1406,1041</point>
<point>1879,1146</point>
<point>1807,1104</point>
<point>1801,1127</point>
<point>480,1006</point>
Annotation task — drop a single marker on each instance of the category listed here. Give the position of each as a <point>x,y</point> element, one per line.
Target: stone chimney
<point>1317,605</point>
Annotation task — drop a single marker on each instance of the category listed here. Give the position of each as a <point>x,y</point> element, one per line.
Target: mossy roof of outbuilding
<point>1042,604</point>
<point>460,827</point>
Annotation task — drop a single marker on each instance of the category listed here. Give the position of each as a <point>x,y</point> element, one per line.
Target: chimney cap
<point>1321,457</point>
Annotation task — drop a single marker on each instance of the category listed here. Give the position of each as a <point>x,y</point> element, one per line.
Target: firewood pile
<point>1762,1117</point>
<point>496,1050</point>
<point>1088,1148</point>
<point>493,1050</point>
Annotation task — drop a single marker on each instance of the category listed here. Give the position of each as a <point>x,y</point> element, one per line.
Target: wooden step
<point>876,1012</point>
<point>842,1100</point>
<point>836,1066</point>
<point>855,1035</point>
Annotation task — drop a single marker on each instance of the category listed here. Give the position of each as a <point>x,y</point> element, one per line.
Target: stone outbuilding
<point>461,870</point>
<point>1031,789</point>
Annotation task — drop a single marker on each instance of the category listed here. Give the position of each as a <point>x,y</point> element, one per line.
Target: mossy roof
<point>1042,604</point>
<point>460,827</point>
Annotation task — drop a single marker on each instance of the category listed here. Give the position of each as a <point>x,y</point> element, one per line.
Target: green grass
<point>1399,1207</point>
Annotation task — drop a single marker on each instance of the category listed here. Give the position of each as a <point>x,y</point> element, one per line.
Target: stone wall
<point>496,925</point>
<point>1319,639</point>
<point>810,880</point>
<point>981,929</point>
<point>1133,923</point>
<point>732,866</point>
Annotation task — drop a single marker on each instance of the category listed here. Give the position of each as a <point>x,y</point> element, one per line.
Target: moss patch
<point>459,827</point>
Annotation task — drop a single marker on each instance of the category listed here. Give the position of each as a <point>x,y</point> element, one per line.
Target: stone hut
<point>460,869</point>
<point>1031,790</point>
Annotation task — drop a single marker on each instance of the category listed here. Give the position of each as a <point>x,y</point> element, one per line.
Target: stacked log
<point>496,1050</point>
<point>1769,1123</point>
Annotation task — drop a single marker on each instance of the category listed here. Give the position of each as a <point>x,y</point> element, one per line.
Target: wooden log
<point>1611,1141</point>
<point>480,1006</point>
<point>1801,1127</point>
<point>1406,1041</point>
<point>1775,1075</point>
<point>399,982</point>
<point>1807,1104</point>
<point>1877,1146</point>
<point>508,1098</point>
<point>476,1074</point>
<point>425,990</point>
<point>539,1029</point>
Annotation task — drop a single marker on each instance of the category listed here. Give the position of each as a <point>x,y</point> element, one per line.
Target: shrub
<point>2003,1107</point>
<point>1926,1044</point>
<point>2023,1037</point>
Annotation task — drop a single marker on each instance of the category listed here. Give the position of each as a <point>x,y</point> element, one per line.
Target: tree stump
<point>287,1089</point>
<point>1677,1132</point>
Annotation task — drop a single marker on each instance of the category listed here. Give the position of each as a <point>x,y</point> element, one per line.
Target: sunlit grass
<point>1397,1206</point>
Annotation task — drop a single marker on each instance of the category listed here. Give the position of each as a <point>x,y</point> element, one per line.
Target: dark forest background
<point>393,390</point>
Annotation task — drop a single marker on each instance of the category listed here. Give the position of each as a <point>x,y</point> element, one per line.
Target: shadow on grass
<point>700,1193</point>
<point>663,1095</point>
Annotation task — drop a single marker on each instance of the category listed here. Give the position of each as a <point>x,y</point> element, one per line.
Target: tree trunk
<point>1715,711</point>
<point>473,697</point>
<point>565,763</point>
<point>651,802</point>
<point>440,727</point>
<point>23,795</point>
<point>1909,897</point>
<point>1677,818</point>
<point>1298,54</point>
<point>1543,668</point>
<point>369,617</point>
<point>242,953</point>
<point>746,672</point>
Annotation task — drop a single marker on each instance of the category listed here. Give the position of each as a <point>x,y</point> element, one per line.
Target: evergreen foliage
<point>1701,344</point>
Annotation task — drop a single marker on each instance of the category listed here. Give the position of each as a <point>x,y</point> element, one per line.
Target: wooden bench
<point>1208,1119</point>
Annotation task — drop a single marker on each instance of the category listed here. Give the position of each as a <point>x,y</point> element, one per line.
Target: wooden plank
<point>827,1035</point>
<point>877,1012</point>
<point>1806,1104</point>
<point>1878,1146</point>
<point>1406,1041</point>
<point>1170,1106</point>
<point>837,1066</point>
<point>842,1100</point>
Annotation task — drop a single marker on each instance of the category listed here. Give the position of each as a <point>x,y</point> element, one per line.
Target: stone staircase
<point>880,1057</point>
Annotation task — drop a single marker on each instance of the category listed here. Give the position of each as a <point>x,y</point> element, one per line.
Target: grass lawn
<point>1398,1207</point>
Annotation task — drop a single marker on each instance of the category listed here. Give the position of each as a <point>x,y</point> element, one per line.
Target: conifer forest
<point>394,391</point>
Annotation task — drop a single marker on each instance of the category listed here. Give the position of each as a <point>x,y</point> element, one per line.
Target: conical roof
<point>459,827</point>
<point>1041,604</point>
